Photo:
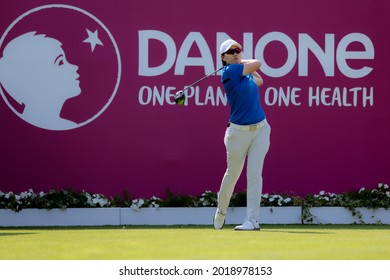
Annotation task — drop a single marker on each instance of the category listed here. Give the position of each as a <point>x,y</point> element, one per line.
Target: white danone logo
<point>51,70</point>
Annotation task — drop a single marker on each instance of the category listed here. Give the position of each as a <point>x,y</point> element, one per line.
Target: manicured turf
<point>273,242</point>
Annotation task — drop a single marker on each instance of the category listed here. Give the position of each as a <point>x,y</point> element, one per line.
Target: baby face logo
<point>60,67</point>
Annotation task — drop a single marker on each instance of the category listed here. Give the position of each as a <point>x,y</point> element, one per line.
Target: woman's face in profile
<point>56,75</point>
<point>35,70</point>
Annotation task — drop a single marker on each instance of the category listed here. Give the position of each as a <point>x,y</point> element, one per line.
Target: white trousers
<point>242,145</point>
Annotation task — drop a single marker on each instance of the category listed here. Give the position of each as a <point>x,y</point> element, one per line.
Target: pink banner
<point>87,94</point>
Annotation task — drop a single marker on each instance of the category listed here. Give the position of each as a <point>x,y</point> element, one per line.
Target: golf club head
<point>180,97</point>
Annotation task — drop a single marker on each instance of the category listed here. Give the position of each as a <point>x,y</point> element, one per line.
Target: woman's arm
<point>250,67</point>
<point>257,78</point>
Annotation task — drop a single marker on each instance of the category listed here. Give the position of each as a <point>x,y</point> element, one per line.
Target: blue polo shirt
<point>243,96</point>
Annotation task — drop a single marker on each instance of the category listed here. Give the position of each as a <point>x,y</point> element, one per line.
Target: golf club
<point>180,96</point>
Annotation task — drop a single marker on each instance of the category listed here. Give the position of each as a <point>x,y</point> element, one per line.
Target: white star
<point>93,39</point>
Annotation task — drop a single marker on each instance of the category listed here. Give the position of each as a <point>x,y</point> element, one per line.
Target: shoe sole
<point>255,229</point>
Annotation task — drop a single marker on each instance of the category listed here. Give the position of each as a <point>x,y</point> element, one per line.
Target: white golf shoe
<point>250,224</point>
<point>219,219</point>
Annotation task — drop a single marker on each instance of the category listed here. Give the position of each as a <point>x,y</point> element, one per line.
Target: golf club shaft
<point>187,87</point>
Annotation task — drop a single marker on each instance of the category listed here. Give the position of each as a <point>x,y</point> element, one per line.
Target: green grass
<point>273,242</point>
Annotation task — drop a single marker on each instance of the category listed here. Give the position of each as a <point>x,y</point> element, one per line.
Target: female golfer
<point>247,134</point>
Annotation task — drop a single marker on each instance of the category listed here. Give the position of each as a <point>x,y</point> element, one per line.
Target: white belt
<point>252,127</point>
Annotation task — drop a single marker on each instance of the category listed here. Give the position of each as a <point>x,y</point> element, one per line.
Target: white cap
<point>226,45</point>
